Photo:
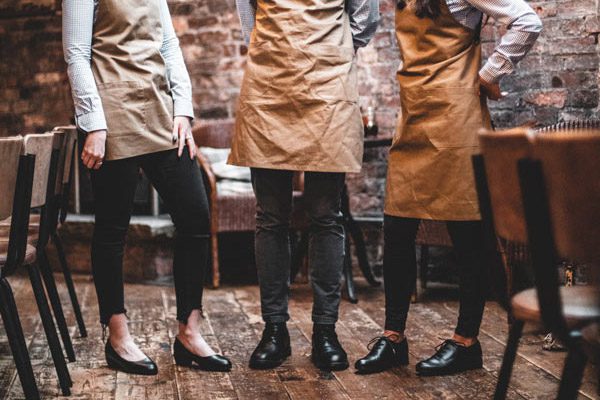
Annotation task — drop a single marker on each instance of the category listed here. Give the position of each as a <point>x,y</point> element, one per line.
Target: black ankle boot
<point>185,358</point>
<point>384,354</point>
<point>327,352</point>
<point>451,358</point>
<point>273,348</point>
<point>116,362</point>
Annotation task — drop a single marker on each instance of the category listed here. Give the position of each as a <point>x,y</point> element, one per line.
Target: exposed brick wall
<point>559,80</point>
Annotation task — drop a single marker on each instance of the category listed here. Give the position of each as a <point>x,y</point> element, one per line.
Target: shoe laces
<point>391,338</point>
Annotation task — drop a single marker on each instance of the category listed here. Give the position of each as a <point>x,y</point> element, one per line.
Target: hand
<point>490,90</point>
<point>93,149</point>
<point>182,131</point>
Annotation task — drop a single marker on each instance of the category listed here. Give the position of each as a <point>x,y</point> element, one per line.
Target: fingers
<point>92,160</point>
<point>175,133</point>
<point>182,134</point>
<point>192,146</point>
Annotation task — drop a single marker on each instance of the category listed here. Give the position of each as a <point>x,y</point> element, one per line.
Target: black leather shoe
<point>384,354</point>
<point>116,362</point>
<point>186,358</point>
<point>273,348</point>
<point>450,358</point>
<point>327,352</point>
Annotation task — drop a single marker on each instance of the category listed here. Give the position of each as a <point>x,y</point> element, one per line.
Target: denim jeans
<point>179,184</point>
<point>321,200</point>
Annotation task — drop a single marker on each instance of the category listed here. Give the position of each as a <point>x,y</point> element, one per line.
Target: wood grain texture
<point>233,326</point>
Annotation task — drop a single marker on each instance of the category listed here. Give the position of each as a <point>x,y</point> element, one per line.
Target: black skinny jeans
<point>180,185</point>
<point>400,271</point>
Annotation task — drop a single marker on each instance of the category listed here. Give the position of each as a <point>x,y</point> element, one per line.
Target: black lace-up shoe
<point>273,348</point>
<point>327,352</point>
<point>451,358</point>
<point>384,354</point>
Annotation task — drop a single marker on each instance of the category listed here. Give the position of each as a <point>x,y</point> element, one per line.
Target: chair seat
<point>30,253</point>
<point>581,304</point>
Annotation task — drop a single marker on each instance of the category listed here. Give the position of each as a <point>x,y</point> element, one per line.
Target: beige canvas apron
<point>131,77</point>
<point>429,170</point>
<point>298,103</point>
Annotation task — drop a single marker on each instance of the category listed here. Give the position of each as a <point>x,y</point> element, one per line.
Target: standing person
<point>444,93</point>
<point>133,98</point>
<point>298,111</point>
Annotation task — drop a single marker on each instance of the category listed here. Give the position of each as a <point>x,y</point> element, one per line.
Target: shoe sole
<point>117,367</point>
<point>379,370</point>
<point>444,373</point>
<point>269,364</point>
<point>338,366</point>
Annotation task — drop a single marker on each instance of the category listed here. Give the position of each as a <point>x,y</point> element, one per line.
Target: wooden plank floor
<point>233,325</point>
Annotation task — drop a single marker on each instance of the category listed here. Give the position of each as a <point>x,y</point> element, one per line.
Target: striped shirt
<point>524,27</point>
<point>364,18</point>
<point>78,27</point>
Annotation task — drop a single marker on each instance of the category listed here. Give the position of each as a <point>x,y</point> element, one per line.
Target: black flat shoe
<point>451,358</point>
<point>273,348</point>
<point>116,362</point>
<point>384,354</point>
<point>185,358</point>
<point>327,352</point>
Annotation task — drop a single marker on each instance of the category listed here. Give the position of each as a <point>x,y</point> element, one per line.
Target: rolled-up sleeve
<point>177,73</point>
<point>524,27</point>
<point>364,19</point>
<point>247,13</point>
<point>78,25</point>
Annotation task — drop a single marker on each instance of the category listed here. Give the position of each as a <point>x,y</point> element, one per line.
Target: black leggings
<point>180,185</point>
<point>400,271</point>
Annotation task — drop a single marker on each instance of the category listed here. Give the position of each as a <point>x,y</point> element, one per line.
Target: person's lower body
<point>321,200</point>
<point>463,351</point>
<point>180,185</point>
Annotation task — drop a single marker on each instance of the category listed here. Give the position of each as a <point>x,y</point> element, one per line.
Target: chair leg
<point>70,285</point>
<point>55,303</point>
<point>62,371</point>
<point>510,354</point>
<point>572,373</point>
<point>216,275</point>
<point>16,340</point>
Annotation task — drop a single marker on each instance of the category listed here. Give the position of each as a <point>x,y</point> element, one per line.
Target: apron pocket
<point>333,75</point>
<point>124,106</point>
<point>446,117</point>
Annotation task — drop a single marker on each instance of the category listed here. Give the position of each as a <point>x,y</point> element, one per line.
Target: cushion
<point>218,162</point>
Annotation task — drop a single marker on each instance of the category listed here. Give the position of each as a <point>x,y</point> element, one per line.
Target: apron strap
<point>480,25</point>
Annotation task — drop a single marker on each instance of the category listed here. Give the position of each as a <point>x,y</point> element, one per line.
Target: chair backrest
<point>217,134</point>
<point>10,151</point>
<point>570,164</point>
<point>39,145</point>
<point>69,151</point>
<point>501,152</point>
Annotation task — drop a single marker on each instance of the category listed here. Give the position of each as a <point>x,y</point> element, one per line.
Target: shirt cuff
<point>92,121</point>
<point>490,74</point>
<point>183,108</point>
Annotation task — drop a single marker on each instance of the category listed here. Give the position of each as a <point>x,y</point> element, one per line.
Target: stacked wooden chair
<point>26,175</point>
<point>541,191</point>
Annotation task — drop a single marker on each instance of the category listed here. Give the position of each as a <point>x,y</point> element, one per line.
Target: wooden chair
<point>561,197</point>
<point>502,207</point>
<point>55,209</point>
<point>228,212</point>
<point>58,205</point>
<point>31,182</point>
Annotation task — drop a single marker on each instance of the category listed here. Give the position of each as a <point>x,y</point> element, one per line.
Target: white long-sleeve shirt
<point>78,26</point>
<point>364,18</point>
<point>524,27</point>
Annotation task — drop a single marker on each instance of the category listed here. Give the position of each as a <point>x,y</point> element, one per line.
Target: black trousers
<point>400,271</point>
<point>180,185</point>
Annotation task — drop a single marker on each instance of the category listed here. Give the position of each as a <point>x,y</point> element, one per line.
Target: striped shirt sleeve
<point>524,27</point>
<point>78,25</point>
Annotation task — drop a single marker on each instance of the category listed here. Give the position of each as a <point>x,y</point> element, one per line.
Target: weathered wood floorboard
<point>233,326</point>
